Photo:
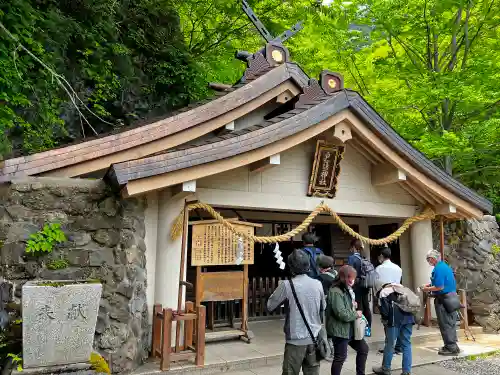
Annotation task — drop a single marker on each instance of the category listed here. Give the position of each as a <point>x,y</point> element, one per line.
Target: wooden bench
<point>162,335</point>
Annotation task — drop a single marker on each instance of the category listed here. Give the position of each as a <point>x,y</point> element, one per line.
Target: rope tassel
<point>176,231</point>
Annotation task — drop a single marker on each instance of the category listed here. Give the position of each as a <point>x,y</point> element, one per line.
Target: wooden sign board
<point>326,170</point>
<point>221,286</point>
<point>215,245</point>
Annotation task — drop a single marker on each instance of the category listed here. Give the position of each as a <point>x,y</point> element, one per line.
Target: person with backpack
<point>398,306</point>
<point>308,239</point>
<point>366,278</point>
<point>389,273</point>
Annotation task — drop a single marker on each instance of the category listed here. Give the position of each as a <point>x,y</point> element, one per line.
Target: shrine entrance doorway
<point>264,274</point>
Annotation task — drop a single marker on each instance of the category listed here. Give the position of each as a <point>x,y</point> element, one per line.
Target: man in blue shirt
<point>443,284</point>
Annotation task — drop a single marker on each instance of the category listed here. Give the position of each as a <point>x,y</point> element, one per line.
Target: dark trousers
<point>300,356</point>
<point>340,354</point>
<point>447,325</point>
<point>362,295</point>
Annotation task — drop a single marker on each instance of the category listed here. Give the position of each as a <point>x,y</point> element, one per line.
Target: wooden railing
<point>464,321</point>
<point>260,288</point>
<point>162,335</point>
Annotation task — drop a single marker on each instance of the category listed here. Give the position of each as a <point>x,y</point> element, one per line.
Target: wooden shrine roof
<point>292,122</point>
<point>248,89</point>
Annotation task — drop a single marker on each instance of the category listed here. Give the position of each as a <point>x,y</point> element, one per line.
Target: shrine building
<point>267,151</point>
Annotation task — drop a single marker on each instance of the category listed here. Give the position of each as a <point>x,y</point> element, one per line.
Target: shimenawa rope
<point>176,231</point>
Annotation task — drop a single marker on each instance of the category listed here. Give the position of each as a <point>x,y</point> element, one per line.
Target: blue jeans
<point>403,333</point>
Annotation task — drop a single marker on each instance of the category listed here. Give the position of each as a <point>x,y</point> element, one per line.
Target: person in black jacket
<point>399,325</point>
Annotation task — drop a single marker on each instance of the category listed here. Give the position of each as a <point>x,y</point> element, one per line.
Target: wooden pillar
<point>200,335</point>
<point>189,327</point>
<point>181,275</point>
<point>441,237</point>
<point>157,327</point>
<point>464,323</point>
<point>166,341</point>
<point>244,312</point>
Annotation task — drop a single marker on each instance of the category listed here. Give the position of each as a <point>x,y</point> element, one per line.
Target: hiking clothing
<point>312,299</point>
<point>327,279</point>
<point>443,277</point>
<point>340,313</point>
<point>313,253</point>
<point>340,354</point>
<point>401,333</point>
<point>300,356</point>
<point>389,273</point>
<point>447,323</point>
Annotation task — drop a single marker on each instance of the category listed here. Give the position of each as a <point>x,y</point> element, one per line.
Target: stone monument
<point>59,319</point>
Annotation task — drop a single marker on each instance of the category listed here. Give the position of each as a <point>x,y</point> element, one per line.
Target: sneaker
<point>448,352</point>
<point>396,352</point>
<point>381,371</point>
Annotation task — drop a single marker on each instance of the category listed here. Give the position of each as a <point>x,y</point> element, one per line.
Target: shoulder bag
<point>319,342</point>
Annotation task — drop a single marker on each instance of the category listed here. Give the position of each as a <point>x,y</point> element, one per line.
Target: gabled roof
<point>260,78</point>
<point>165,152</point>
<point>304,116</point>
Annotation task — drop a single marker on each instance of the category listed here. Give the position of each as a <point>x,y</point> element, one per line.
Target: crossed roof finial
<point>262,29</point>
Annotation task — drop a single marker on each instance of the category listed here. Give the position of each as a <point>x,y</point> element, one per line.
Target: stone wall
<point>472,248</point>
<point>105,242</point>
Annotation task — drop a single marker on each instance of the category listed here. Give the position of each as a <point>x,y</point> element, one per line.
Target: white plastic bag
<point>359,328</point>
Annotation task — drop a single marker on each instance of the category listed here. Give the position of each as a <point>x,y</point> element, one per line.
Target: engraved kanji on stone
<point>76,311</point>
<point>46,311</point>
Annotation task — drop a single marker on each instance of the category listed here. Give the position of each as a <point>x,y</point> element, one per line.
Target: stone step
<point>275,360</point>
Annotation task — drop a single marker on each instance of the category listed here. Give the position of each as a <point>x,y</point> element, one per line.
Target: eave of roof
<point>304,116</point>
<point>180,120</point>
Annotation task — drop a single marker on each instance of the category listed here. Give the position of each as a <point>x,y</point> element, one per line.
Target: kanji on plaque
<point>213,244</point>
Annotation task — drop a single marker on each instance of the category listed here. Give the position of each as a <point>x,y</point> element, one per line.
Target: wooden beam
<point>219,86</point>
<point>367,151</point>
<point>412,192</point>
<point>183,190</point>
<point>286,96</point>
<point>386,174</point>
<point>266,163</point>
<point>445,209</point>
<point>342,131</point>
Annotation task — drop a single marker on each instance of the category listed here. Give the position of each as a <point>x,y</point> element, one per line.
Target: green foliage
<point>17,360</point>
<point>99,364</point>
<point>44,240</point>
<point>58,264</point>
<point>495,249</point>
<point>126,61</point>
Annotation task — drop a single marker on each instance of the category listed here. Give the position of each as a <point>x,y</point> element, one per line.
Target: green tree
<point>430,67</point>
<point>71,69</point>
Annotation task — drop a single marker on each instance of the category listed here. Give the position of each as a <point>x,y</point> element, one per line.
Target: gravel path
<point>480,366</point>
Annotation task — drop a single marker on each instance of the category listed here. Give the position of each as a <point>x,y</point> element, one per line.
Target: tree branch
<point>494,167</point>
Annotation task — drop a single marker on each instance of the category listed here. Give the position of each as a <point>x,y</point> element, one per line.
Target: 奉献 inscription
<point>59,323</point>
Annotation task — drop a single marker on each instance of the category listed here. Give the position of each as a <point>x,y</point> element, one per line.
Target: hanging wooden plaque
<point>214,245</point>
<point>326,170</point>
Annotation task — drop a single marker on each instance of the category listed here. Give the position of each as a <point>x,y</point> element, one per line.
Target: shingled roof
<point>302,117</point>
<point>248,89</point>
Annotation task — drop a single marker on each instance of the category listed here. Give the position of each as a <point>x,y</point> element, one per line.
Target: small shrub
<point>99,364</point>
<point>43,241</point>
<point>16,360</point>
